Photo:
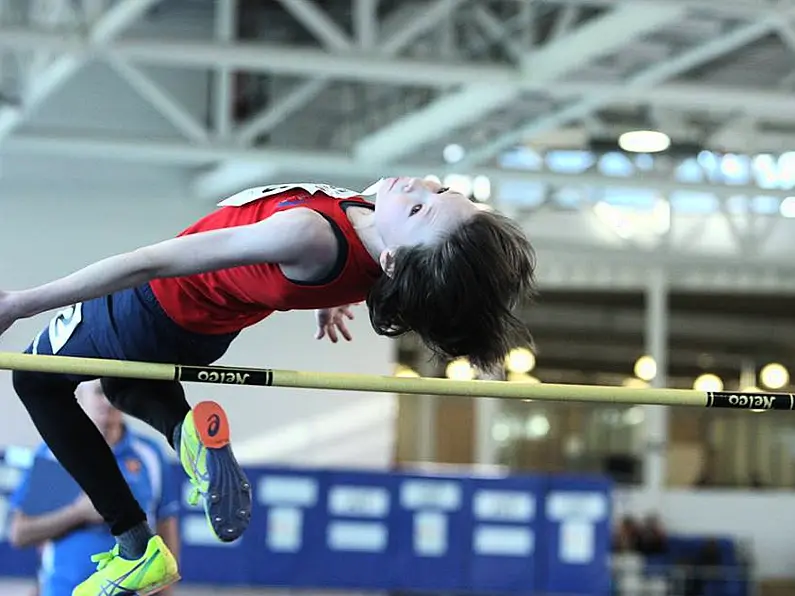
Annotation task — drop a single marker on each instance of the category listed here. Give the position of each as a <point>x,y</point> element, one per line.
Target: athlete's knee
<point>33,386</point>
<point>116,391</point>
<point>130,395</point>
<point>29,384</point>
<point>124,392</point>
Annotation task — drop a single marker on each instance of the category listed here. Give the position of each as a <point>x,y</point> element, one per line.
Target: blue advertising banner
<point>576,528</point>
<point>384,531</point>
<point>433,531</point>
<point>506,516</point>
<point>356,550</point>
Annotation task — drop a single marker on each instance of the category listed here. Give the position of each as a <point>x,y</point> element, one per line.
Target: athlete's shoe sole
<point>227,492</point>
<point>160,586</point>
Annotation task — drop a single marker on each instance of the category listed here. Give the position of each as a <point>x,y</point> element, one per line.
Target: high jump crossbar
<point>265,377</point>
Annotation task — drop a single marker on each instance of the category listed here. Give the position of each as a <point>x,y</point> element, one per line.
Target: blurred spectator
<point>69,536</point>
<point>707,476</point>
<point>652,539</point>
<point>626,535</point>
<point>703,568</point>
<point>755,480</point>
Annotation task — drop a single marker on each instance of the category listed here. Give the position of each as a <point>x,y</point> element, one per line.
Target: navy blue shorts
<point>127,325</point>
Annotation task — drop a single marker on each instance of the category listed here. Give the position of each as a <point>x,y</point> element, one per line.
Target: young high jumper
<point>424,258</point>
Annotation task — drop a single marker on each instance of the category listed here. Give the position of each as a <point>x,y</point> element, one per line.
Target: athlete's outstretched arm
<point>287,238</point>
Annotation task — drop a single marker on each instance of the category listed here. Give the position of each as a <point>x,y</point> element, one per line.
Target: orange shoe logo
<point>214,425</point>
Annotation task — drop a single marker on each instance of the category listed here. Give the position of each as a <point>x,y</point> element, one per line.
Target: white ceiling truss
<point>364,88</point>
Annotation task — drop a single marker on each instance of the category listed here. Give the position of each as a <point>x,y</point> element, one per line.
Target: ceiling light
<point>460,370</point>
<point>520,360</point>
<point>774,376</point>
<point>459,183</point>
<point>645,368</point>
<point>708,382</point>
<point>644,141</point>
<point>481,188</point>
<point>453,153</point>
<point>522,378</point>
<point>537,426</point>
<point>405,371</point>
<point>787,207</point>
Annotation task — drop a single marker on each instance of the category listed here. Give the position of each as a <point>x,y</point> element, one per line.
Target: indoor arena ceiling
<point>357,88</point>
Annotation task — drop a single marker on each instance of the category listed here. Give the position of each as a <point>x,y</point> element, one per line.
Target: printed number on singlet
<point>259,192</point>
<point>63,325</point>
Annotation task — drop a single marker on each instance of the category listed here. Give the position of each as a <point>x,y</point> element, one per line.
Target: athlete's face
<point>412,211</point>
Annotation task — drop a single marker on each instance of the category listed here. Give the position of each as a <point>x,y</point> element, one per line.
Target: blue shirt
<point>67,561</point>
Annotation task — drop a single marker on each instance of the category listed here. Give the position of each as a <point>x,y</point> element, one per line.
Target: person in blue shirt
<point>67,537</point>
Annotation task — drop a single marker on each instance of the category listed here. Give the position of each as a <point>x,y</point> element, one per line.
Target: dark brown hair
<point>459,295</point>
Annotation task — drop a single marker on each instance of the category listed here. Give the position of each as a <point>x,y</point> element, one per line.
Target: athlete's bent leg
<point>201,439</point>
<point>160,404</point>
<point>140,563</point>
<point>79,446</point>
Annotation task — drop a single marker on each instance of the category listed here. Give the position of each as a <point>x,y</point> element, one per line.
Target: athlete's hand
<point>332,320</point>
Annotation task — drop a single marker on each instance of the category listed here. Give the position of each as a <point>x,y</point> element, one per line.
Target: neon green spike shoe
<point>115,576</point>
<point>206,456</point>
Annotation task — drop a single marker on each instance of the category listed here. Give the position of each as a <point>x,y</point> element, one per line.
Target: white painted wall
<point>762,518</point>
<point>48,233</point>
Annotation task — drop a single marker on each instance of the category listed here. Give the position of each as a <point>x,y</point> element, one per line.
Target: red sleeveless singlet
<point>230,300</point>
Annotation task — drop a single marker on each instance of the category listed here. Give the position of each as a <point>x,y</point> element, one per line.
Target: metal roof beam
<point>230,176</point>
<point>648,78</point>
<point>226,16</point>
<point>466,105</point>
<point>258,57</point>
<point>325,163</point>
<point>730,8</point>
<point>112,23</point>
<point>317,21</point>
<point>279,59</point>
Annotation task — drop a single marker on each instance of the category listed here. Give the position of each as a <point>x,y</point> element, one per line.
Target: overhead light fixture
<point>708,382</point>
<point>501,432</point>
<point>481,188</point>
<point>453,153</point>
<point>459,183</point>
<point>522,378</point>
<point>774,376</point>
<point>635,415</point>
<point>460,370</point>
<point>537,426</point>
<point>645,368</point>
<point>787,207</point>
<point>644,141</point>
<point>405,371</point>
<point>520,360</point>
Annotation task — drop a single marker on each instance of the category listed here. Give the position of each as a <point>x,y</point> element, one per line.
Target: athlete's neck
<point>363,221</point>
